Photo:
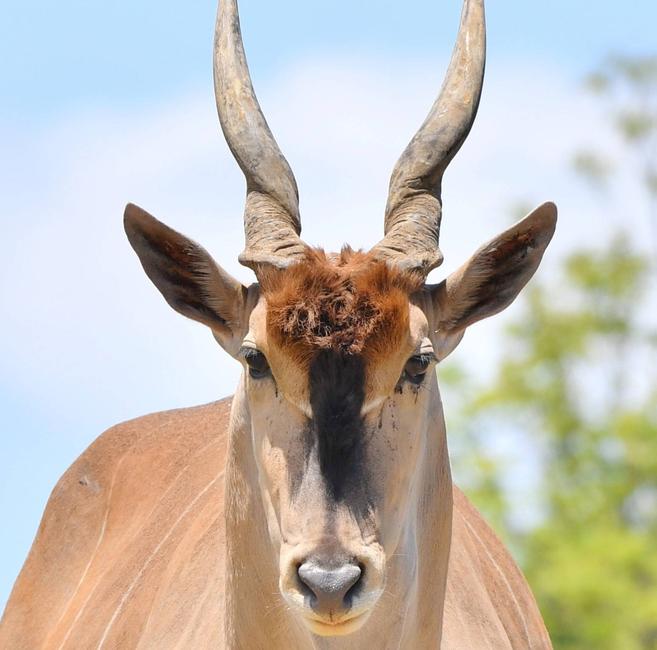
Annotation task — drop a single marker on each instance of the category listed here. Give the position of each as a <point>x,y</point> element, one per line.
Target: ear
<point>189,279</point>
<point>492,278</point>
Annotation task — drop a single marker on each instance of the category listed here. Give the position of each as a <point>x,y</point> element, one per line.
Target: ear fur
<point>492,278</point>
<point>188,278</point>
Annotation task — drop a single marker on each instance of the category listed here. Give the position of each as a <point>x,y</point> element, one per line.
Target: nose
<point>330,588</point>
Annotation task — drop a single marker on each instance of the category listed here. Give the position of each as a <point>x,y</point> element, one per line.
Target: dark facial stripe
<point>336,396</point>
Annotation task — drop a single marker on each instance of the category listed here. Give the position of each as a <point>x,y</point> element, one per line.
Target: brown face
<point>338,374</point>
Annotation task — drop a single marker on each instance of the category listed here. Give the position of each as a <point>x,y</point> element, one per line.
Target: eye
<point>416,368</point>
<point>257,363</point>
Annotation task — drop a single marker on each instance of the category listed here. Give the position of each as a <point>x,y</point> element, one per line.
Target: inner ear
<point>188,278</point>
<point>492,278</point>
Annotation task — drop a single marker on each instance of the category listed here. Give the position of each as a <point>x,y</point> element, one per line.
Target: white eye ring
<point>426,347</point>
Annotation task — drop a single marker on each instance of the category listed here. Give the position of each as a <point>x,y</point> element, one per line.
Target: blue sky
<point>57,57</point>
<point>101,103</point>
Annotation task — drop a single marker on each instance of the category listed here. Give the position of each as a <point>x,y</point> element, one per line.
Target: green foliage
<point>593,167</point>
<point>576,394</point>
<point>627,87</point>
<point>592,561</point>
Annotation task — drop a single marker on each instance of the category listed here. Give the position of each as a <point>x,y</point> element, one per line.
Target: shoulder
<point>128,483</point>
<point>482,571</point>
<point>147,444</point>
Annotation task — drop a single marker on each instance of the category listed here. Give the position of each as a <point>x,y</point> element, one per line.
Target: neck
<point>408,615</point>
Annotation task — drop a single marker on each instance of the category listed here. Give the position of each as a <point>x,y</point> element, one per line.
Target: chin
<point>343,628</point>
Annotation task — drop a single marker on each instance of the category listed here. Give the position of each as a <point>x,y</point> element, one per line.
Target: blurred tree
<point>577,383</point>
<point>628,88</point>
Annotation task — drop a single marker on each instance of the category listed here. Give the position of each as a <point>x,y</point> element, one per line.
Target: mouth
<point>338,628</point>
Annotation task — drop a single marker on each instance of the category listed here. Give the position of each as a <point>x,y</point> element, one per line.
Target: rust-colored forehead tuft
<point>352,303</point>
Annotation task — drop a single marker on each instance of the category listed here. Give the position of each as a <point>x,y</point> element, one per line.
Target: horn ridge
<point>414,206</point>
<point>272,222</point>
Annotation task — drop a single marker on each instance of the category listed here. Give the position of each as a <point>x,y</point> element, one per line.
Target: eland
<point>315,508</point>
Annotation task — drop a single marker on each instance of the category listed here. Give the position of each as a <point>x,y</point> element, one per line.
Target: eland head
<point>337,421</point>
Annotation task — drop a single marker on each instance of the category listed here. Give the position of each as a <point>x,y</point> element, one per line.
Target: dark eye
<point>257,363</point>
<point>416,368</point>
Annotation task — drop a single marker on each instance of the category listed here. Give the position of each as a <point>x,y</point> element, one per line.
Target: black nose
<point>330,589</point>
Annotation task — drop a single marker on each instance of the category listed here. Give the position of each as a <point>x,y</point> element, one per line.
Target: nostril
<point>355,588</point>
<point>329,589</point>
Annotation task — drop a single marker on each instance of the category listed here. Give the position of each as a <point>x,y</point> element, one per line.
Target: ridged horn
<point>271,217</point>
<point>413,211</point>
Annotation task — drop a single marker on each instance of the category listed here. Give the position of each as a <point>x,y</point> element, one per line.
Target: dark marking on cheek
<point>299,465</point>
<point>337,383</point>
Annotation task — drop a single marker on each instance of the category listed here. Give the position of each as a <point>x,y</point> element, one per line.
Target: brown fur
<point>151,472</point>
<point>352,303</point>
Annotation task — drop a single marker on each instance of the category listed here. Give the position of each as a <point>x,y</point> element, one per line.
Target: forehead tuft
<point>351,303</point>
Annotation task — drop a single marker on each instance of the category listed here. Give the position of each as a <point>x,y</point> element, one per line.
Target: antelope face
<point>338,364</point>
<point>338,355</point>
<point>338,351</point>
